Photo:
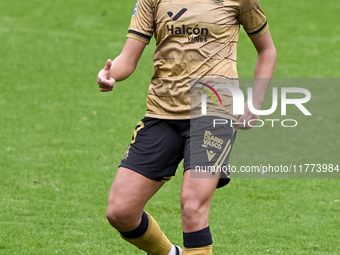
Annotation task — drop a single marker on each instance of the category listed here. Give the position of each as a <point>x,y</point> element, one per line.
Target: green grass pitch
<point>61,139</point>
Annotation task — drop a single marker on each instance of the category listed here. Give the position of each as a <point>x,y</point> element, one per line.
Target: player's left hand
<point>248,119</point>
<point>105,82</point>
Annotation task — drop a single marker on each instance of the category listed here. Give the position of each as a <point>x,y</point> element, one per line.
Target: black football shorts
<point>159,145</point>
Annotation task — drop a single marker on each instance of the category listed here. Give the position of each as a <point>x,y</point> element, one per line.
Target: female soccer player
<point>196,47</point>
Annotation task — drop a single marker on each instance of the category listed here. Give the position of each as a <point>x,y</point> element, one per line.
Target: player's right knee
<point>121,218</point>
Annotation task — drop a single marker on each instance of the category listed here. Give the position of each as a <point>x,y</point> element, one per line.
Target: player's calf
<point>148,237</point>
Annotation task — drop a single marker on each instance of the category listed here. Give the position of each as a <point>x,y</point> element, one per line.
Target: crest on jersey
<point>218,1</point>
<point>135,10</point>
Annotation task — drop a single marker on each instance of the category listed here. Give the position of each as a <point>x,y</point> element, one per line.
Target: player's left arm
<point>264,70</point>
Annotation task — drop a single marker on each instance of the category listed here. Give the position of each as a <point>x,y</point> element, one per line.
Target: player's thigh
<point>130,192</point>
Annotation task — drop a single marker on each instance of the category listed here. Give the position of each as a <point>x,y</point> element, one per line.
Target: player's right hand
<point>105,82</point>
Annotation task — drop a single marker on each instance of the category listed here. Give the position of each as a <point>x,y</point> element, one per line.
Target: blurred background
<point>61,140</point>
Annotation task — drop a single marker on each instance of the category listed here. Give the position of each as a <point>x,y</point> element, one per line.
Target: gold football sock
<point>153,241</point>
<point>205,250</point>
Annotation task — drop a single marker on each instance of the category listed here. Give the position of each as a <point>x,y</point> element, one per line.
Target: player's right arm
<point>140,32</point>
<point>122,66</point>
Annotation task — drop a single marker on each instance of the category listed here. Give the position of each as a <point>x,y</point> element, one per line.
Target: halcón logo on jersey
<point>195,33</point>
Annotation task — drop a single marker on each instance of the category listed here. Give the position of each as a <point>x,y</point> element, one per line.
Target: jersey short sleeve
<point>252,18</point>
<point>142,22</point>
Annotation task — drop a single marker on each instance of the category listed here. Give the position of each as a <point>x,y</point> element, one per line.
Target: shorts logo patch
<point>210,154</point>
<point>212,141</point>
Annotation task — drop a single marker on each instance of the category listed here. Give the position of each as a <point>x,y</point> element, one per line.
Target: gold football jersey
<point>195,39</point>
